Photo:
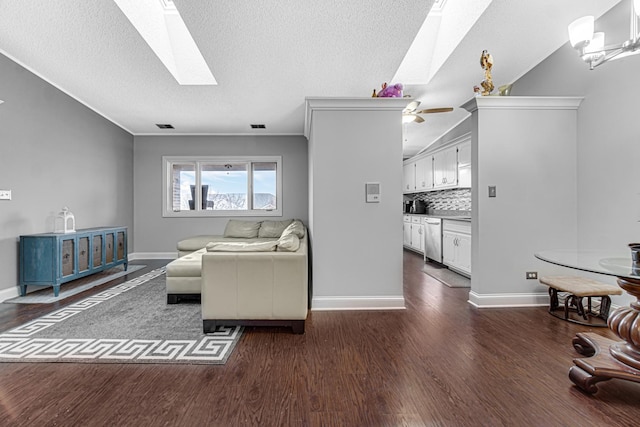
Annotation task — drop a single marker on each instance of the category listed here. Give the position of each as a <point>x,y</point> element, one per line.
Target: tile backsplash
<point>456,199</point>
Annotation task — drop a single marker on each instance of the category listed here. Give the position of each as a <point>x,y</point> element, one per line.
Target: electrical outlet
<point>5,194</point>
<point>532,275</point>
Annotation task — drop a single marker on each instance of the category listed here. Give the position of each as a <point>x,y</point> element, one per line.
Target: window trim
<point>167,186</point>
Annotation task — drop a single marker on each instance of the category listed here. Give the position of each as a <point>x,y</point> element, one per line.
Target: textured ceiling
<point>268,55</point>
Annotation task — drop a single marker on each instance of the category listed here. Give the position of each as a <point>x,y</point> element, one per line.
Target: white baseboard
<point>9,293</point>
<point>357,303</point>
<point>508,300</point>
<point>152,255</point>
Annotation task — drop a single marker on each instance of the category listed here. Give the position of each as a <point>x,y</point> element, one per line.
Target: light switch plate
<point>5,194</point>
<point>492,191</point>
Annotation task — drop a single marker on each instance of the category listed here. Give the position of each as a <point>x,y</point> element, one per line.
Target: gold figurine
<point>486,62</point>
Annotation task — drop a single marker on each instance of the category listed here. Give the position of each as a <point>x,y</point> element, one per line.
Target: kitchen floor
<point>447,277</point>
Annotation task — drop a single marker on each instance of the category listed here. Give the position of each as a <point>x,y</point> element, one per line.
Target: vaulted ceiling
<point>268,55</point>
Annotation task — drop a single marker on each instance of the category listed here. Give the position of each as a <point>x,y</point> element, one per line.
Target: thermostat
<point>372,192</point>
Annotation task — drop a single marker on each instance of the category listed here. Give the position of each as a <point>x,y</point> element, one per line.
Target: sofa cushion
<point>186,266</point>
<point>242,246</point>
<point>289,243</point>
<point>273,228</point>
<point>296,227</point>
<point>245,229</point>
<point>194,243</point>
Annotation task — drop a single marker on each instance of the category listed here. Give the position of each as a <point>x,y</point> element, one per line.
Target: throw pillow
<point>289,243</point>
<point>242,246</point>
<point>273,228</point>
<point>296,227</point>
<point>245,229</point>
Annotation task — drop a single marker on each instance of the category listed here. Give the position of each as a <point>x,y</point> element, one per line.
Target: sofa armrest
<point>255,285</point>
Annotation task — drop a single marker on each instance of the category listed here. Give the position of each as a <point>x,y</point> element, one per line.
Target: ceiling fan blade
<point>435,110</point>
<point>419,119</point>
<point>411,107</point>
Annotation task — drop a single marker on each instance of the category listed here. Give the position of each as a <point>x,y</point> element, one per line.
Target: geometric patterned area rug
<point>45,296</point>
<point>127,323</point>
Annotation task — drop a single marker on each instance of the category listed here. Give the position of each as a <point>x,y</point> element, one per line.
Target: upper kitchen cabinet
<point>409,177</point>
<point>448,167</point>
<point>464,165</point>
<point>424,173</point>
<point>445,168</point>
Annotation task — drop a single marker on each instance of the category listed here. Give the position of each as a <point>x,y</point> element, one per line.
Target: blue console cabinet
<point>51,259</point>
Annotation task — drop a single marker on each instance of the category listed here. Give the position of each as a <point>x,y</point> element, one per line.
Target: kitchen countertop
<point>455,215</point>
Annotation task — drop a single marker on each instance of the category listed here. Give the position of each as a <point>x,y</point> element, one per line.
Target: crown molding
<point>523,103</point>
<point>350,104</point>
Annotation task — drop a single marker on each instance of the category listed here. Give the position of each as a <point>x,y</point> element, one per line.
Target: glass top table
<point>605,358</point>
<point>619,265</point>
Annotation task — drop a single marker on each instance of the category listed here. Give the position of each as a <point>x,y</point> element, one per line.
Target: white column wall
<point>356,246</point>
<point>526,147</point>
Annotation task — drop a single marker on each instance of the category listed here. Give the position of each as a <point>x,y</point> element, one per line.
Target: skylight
<point>161,26</point>
<point>441,32</point>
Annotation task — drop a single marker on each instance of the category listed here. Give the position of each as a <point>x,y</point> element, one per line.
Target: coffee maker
<point>408,206</point>
<point>419,207</point>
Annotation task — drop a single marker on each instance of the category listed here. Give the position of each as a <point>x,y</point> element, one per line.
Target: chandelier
<point>591,45</point>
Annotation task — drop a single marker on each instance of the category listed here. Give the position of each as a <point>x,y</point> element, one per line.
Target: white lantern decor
<point>65,222</point>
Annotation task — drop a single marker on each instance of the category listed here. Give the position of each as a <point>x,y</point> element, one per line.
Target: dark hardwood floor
<point>439,362</point>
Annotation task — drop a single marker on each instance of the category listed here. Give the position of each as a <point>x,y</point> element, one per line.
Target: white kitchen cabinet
<point>456,246</point>
<point>445,168</point>
<point>424,173</point>
<point>413,234</point>
<point>417,236</point>
<point>406,229</point>
<point>464,165</point>
<point>409,178</point>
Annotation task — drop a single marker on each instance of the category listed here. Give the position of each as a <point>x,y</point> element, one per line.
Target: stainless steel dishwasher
<point>433,239</point>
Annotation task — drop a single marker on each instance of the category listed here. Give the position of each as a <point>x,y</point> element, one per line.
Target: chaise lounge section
<point>255,288</point>
<point>255,274</point>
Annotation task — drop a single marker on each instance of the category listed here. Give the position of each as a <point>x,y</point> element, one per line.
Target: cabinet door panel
<point>448,248</point>
<point>121,245</point>
<point>424,174</point>
<point>407,233</point>
<point>83,253</point>
<point>97,251</point>
<point>409,178</point>
<point>416,237</point>
<point>445,168</point>
<point>109,248</point>
<point>464,252</point>
<point>451,167</point>
<point>68,262</point>
<point>464,165</point>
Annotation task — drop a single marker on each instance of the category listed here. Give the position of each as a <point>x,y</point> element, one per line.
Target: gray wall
<point>534,170</point>
<point>357,246</point>
<point>55,152</point>
<point>157,236</point>
<point>608,150</point>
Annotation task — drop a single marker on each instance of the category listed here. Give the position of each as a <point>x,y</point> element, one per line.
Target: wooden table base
<point>599,365</point>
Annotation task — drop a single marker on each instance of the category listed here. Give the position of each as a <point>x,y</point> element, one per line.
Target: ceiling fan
<point>411,114</point>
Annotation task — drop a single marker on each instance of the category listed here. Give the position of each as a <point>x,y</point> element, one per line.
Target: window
<point>222,186</point>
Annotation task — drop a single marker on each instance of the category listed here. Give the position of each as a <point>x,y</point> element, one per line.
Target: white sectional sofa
<point>259,279</point>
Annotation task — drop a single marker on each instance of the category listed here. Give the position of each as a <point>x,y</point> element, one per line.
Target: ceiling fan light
<point>408,118</point>
<point>411,106</point>
<point>581,31</point>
